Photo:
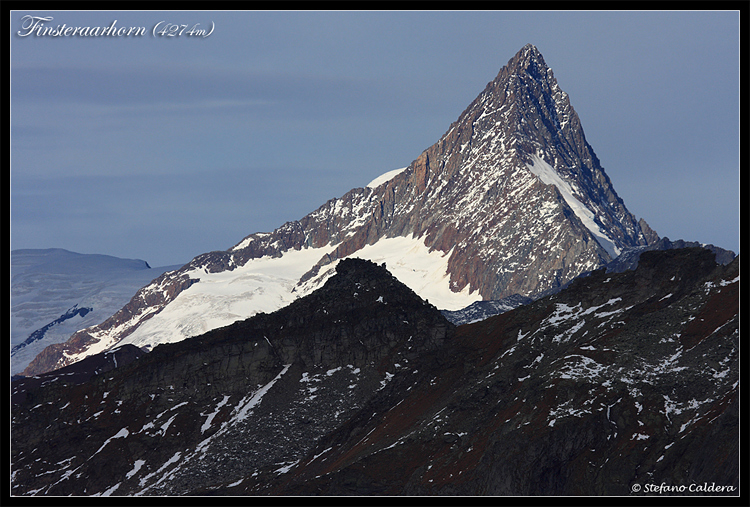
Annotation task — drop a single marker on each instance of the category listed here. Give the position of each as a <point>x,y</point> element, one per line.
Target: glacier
<point>267,284</point>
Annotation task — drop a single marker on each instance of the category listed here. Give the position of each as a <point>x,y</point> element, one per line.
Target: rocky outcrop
<point>619,382</point>
<point>629,259</point>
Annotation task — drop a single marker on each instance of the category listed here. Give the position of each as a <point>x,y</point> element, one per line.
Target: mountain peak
<point>511,200</point>
<point>529,49</point>
<point>527,61</point>
<point>529,54</point>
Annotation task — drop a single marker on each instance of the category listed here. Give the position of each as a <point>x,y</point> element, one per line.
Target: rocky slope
<point>511,200</point>
<point>615,386</point>
<point>195,405</point>
<point>628,259</point>
<point>362,388</point>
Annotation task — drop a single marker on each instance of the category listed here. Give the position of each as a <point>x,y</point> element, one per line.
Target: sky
<point>162,148</point>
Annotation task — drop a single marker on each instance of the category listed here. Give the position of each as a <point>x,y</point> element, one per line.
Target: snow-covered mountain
<point>511,200</point>
<point>55,292</point>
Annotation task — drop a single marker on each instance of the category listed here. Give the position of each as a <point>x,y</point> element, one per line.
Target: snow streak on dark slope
<point>511,200</point>
<point>361,388</point>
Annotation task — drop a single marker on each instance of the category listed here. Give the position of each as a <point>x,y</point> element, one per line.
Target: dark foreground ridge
<point>362,388</point>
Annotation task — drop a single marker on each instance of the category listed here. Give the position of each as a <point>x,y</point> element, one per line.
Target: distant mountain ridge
<point>511,200</point>
<point>481,310</point>
<point>56,292</point>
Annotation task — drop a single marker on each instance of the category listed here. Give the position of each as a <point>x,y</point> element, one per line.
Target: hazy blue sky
<point>163,148</point>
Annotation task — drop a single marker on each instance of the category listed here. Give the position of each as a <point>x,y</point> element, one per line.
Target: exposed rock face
<point>512,194</point>
<point>75,374</point>
<point>361,388</point>
<point>472,193</point>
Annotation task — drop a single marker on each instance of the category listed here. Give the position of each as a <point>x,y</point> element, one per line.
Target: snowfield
<point>219,299</point>
<point>268,284</point>
<point>385,177</point>
<point>422,270</point>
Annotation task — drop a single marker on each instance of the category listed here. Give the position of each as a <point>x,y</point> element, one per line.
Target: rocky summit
<point>620,383</point>
<point>510,202</point>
